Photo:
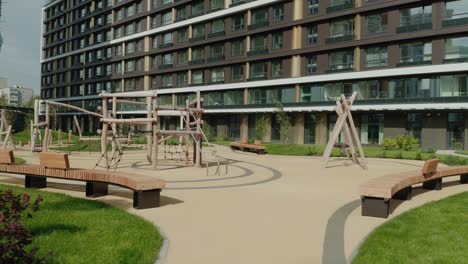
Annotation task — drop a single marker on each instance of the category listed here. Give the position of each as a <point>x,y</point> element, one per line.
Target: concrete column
<point>357,27</point>
<point>357,58</point>
<point>246,96</point>
<point>247,44</point>
<point>244,126</point>
<point>298,9</point>
<point>227,3</point>
<point>298,137</point>
<point>296,66</point>
<point>267,137</point>
<point>296,38</point>
<point>249,16</point>
<point>321,129</point>
<point>146,82</point>
<point>247,71</point>
<point>297,91</point>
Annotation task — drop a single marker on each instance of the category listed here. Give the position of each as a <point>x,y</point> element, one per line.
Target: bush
<point>409,142</point>
<point>261,127</point>
<point>14,237</point>
<point>399,155</point>
<point>400,141</point>
<point>311,151</point>
<point>428,150</point>
<point>418,156</point>
<point>389,143</point>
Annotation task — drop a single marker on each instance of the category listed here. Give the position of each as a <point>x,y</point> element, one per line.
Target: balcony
<point>455,22</point>
<point>455,60</point>
<point>216,34</point>
<point>347,67</point>
<point>166,45</point>
<point>258,25</point>
<point>197,38</point>
<point>196,14</point>
<point>216,58</point>
<point>166,66</point>
<point>179,19</point>
<point>339,7</point>
<point>215,9</point>
<point>258,76</point>
<point>414,27</point>
<point>337,39</point>
<point>414,63</point>
<point>196,61</point>
<point>257,52</point>
<point>216,81</point>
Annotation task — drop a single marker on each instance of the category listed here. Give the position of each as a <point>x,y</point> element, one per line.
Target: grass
<point>25,136</point>
<point>463,152</point>
<point>433,233</point>
<point>84,231</point>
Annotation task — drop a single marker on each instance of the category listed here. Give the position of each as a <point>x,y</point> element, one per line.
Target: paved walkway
<point>267,209</point>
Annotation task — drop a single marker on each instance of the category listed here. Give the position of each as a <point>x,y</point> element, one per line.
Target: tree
<point>261,126</point>
<point>30,104</point>
<point>283,120</point>
<point>3,100</point>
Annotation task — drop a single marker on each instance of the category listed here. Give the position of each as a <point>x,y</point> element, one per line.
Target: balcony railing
<point>411,63</point>
<point>214,9</point>
<point>237,3</point>
<point>196,61</point>
<point>257,52</point>
<point>166,66</point>
<point>258,24</point>
<point>455,22</point>
<point>166,45</point>
<point>216,34</point>
<point>196,38</point>
<point>339,7</point>
<point>336,39</point>
<point>414,27</point>
<point>258,76</point>
<point>216,58</point>
<point>215,81</point>
<point>346,67</point>
<point>454,60</point>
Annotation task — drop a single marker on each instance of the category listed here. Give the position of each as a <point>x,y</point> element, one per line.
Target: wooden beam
<point>141,94</point>
<point>73,107</point>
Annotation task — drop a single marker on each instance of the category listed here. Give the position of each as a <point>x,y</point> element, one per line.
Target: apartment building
<point>407,59</point>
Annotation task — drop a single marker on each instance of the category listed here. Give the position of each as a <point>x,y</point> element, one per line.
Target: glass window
<point>197,8</point>
<point>414,124</point>
<point>277,69</point>
<point>181,13</point>
<point>416,15</point>
<point>167,18</point>
<point>183,35</point>
<point>376,56</point>
<point>129,29</point>
<point>377,23</point>
<point>258,43</point>
<point>259,16</point>
<point>167,38</point>
<point>238,23</point>
<point>277,40</point>
<point>456,48</point>
<point>167,59</point>
<point>258,70</point>
<point>372,128</point>
<point>313,6</point>
<point>198,53</point>
<point>216,4</point>
<point>456,130</point>
<point>167,81</point>
<point>237,48</point>
<point>217,26</point>
<point>312,34</point>
<point>154,42</point>
<point>217,50</point>
<point>182,79</point>
<point>182,57</point>
<point>197,77</point>
<point>415,52</point>
<point>198,30</point>
<point>341,60</point>
<point>342,28</point>
<point>237,72</point>
<point>166,2</point>
<point>456,9</point>
<point>130,11</point>
<point>278,13</point>
<point>311,93</point>
<point>311,64</point>
<point>217,75</point>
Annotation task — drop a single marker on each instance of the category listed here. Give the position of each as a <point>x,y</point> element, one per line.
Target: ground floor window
<point>372,128</point>
<point>331,125</point>
<point>455,131</point>
<point>414,124</point>
<point>309,128</point>
<point>234,127</point>
<point>275,130</point>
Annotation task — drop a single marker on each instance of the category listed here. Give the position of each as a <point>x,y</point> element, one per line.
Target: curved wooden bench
<point>243,145</point>
<point>377,193</point>
<point>146,189</point>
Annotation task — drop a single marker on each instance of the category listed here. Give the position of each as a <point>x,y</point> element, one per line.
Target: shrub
<point>261,126</point>
<point>400,141</point>
<point>430,150</point>
<point>409,142</point>
<point>311,151</point>
<point>418,156</point>
<point>389,143</point>
<point>14,237</point>
<point>399,155</point>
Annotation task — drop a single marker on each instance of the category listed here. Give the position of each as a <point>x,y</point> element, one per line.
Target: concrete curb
<point>164,248</point>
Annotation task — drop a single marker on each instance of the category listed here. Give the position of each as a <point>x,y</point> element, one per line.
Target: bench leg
<point>96,189</point>
<point>146,199</point>
<point>36,182</point>
<point>464,178</point>
<point>403,194</point>
<point>260,151</point>
<point>375,207</point>
<point>433,185</point>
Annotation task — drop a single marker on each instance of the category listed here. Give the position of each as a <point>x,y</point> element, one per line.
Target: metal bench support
<point>376,207</point>
<point>96,189</point>
<point>464,178</point>
<point>36,182</point>
<point>146,199</point>
<point>403,194</point>
<point>433,185</point>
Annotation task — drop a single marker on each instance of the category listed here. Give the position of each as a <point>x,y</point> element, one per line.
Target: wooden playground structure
<point>345,124</point>
<point>6,129</point>
<point>190,132</point>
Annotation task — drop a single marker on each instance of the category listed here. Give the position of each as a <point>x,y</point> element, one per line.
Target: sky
<point>21,51</point>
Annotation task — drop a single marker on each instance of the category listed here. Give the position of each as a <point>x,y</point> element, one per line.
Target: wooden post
<point>45,141</point>
<point>59,137</point>
<point>154,158</point>
<point>187,128</point>
<point>198,135</point>
<point>77,126</point>
<point>347,110</point>
<point>35,133</point>
<point>2,123</point>
<point>7,138</point>
<point>70,136</point>
<point>104,133</point>
<point>149,129</point>
<point>31,142</point>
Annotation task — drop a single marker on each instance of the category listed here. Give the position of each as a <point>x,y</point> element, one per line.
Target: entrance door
<point>456,131</point>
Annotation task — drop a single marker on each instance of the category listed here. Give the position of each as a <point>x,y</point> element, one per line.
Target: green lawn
<point>463,152</point>
<point>25,136</point>
<point>433,233</point>
<point>84,231</point>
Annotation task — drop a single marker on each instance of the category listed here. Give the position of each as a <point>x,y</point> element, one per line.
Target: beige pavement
<point>267,209</point>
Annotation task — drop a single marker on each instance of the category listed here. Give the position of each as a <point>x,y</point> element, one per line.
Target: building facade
<point>17,96</point>
<point>407,59</point>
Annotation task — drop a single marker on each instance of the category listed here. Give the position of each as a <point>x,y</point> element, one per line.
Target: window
<point>166,2</point>
<point>197,77</point>
<point>183,35</point>
<point>166,18</point>
<point>154,82</point>
<point>154,42</point>
<point>312,34</point>
<point>341,60</point>
<point>181,13</point>
<point>259,16</point>
<point>277,40</point>
<point>129,29</point>
<point>130,11</point>
<point>182,79</point>
<point>167,38</point>
<point>258,71</point>
<point>278,13</point>
<point>415,52</point>
<point>217,50</point>
<point>237,48</point>
<point>154,62</point>
<point>167,81</point>
<point>377,23</point>
<point>154,3</point>
<point>277,69</point>
<point>414,124</point>
<point>130,48</point>
<point>129,66</point>
<point>342,28</point>
<point>216,4</point>
<point>313,6</point>
<point>376,56</point>
<point>237,72</point>
<point>372,128</point>
<point>416,15</point>
<point>311,64</point>
<point>312,93</point>
<point>456,48</point>
<point>198,54</point>
<point>238,23</point>
<point>154,22</point>
<point>217,75</point>
<point>456,9</point>
<point>217,26</point>
<point>258,43</point>
<point>182,57</point>
<point>198,30</point>
<point>167,59</point>
<point>197,8</point>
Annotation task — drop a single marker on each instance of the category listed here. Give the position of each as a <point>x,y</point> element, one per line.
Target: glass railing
<point>340,6</point>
